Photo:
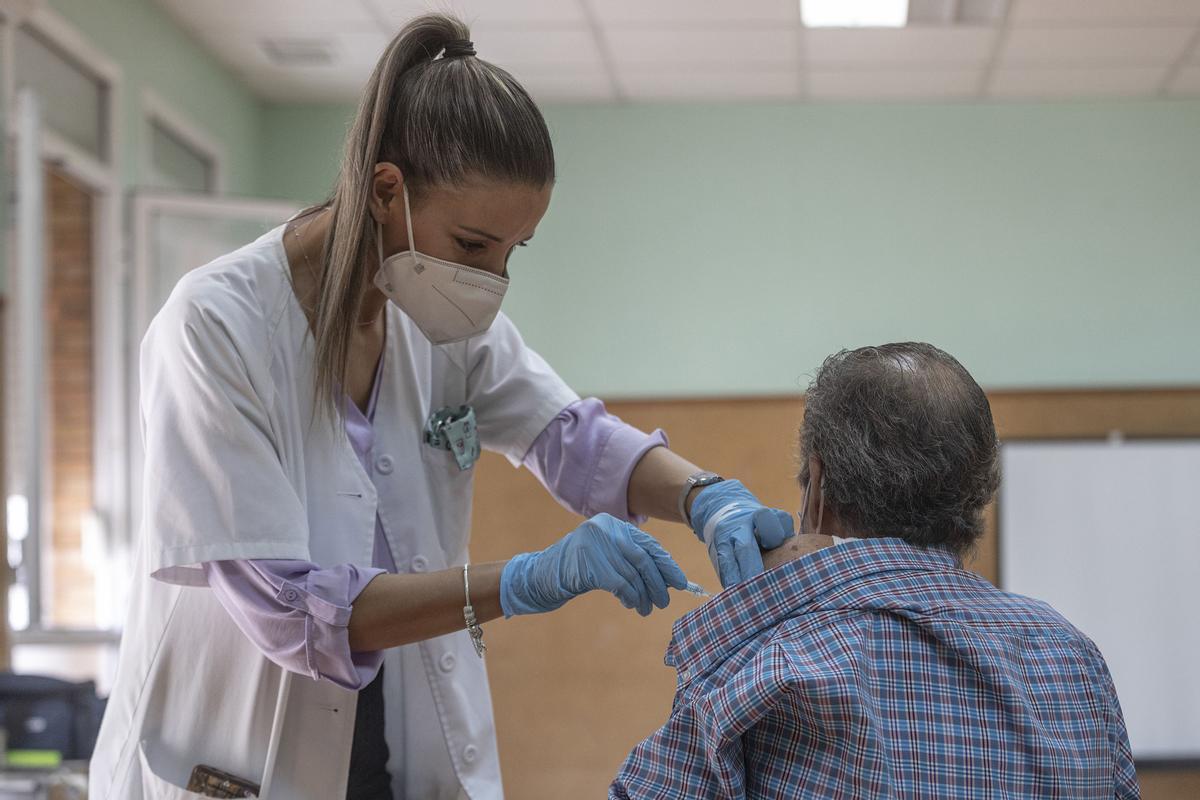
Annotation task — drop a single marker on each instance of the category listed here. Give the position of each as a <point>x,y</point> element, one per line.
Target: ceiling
<point>721,50</point>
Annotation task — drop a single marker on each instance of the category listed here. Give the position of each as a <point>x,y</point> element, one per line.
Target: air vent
<point>299,52</point>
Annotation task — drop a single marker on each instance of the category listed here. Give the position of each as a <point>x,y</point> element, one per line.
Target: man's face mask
<point>449,302</point>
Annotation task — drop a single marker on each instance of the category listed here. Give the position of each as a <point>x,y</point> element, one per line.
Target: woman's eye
<point>469,246</point>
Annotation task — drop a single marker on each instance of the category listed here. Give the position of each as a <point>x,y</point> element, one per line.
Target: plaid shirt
<point>874,669</point>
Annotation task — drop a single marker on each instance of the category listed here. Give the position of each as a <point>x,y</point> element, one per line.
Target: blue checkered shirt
<point>874,669</point>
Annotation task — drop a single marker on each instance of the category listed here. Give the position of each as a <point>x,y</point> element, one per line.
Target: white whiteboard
<point>1109,534</point>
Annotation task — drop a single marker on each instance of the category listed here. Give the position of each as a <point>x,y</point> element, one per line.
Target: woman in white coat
<point>312,405</point>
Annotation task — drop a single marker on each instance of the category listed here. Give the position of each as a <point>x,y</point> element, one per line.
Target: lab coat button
<point>420,564</point>
<point>291,595</point>
<point>470,753</point>
<point>447,662</point>
<point>384,465</point>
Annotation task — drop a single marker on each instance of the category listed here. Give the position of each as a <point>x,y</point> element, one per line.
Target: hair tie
<point>457,48</point>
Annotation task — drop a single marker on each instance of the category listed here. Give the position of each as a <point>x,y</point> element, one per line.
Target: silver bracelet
<point>469,615</point>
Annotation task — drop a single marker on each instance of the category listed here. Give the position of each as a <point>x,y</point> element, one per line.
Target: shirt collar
<point>712,632</point>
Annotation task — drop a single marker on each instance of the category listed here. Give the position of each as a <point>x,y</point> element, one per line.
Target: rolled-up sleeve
<point>298,614</point>
<point>586,456</point>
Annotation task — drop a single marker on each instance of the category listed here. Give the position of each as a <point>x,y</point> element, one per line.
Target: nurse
<point>303,614</point>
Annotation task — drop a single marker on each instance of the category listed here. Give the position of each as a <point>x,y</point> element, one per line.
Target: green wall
<point>155,53</point>
<point>301,149</point>
<point>727,249</point>
<point>698,250</point>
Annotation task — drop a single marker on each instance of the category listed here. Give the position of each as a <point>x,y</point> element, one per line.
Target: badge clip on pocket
<point>453,429</point>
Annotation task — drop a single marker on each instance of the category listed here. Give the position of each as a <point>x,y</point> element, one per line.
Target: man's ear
<point>386,185</point>
<point>812,497</point>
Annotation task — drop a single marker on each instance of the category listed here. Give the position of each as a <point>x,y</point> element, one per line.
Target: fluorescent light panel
<point>854,13</point>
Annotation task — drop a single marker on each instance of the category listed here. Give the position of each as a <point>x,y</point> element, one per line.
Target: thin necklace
<point>313,272</point>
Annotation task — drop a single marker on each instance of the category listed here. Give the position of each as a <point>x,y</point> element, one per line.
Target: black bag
<point>40,713</point>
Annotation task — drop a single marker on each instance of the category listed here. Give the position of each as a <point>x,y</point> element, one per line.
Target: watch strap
<point>695,480</point>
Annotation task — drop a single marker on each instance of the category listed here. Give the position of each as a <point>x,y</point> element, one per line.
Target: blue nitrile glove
<point>735,526</point>
<point>602,553</point>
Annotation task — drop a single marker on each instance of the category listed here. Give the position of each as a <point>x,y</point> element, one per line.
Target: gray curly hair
<point>906,442</point>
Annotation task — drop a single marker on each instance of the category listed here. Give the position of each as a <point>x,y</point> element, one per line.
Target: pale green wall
<point>154,52</point>
<point>717,250</point>
<point>301,149</point>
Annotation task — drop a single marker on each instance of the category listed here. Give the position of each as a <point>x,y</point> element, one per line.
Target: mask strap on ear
<point>412,248</point>
<point>804,503</point>
<point>820,505</point>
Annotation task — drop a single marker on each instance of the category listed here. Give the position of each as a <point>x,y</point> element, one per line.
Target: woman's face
<point>478,224</point>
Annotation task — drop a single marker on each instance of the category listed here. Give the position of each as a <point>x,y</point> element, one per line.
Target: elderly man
<point>866,662</point>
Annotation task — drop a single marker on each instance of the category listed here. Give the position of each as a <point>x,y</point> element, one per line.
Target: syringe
<point>697,589</point>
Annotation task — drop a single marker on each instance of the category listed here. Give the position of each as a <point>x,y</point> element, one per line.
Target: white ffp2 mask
<point>449,302</point>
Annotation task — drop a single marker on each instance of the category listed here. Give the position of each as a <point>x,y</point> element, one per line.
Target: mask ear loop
<point>379,243</point>
<point>412,251</point>
<point>820,505</point>
<point>804,503</point>
<point>412,247</point>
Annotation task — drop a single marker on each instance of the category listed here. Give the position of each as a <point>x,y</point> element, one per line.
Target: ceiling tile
<point>1186,83</point>
<point>956,12</point>
<point>1094,12</point>
<point>921,45</point>
<point>483,12</point>
<point>1059,83</point>
<point>679,84</point>
<point>513,48</point>
<point>744,49</point>
<point>1094,46</point>
<point>685,13</point>
<point>894,84</point>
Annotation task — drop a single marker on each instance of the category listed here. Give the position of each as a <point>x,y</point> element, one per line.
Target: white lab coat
<point>236,468</point>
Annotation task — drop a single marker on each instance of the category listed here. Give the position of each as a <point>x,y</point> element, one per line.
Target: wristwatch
<point>694,481</point>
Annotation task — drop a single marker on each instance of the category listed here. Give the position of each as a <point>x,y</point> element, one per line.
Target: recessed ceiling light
<point>854,13</point>
<point>298,52</point>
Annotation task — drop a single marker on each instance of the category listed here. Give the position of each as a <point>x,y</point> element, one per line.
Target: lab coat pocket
<point>450,490</point>
<point>158,788</point>
<point>439,461</point>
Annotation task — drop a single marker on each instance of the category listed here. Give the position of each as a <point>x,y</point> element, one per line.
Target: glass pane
<point>175,165</point>
<point>73,100</point>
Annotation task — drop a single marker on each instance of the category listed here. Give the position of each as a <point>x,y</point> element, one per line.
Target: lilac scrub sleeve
<point>586,456</point>
<point>298,613</point>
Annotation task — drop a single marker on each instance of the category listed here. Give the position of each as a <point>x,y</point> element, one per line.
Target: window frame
<point>101,177</point>
<point>158,111</point>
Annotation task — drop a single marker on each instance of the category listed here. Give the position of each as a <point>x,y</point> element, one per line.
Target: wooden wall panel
<point>70,380</point>
<point>576,689</point>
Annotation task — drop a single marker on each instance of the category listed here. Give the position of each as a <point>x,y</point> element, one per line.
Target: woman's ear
<point>386,185</point>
